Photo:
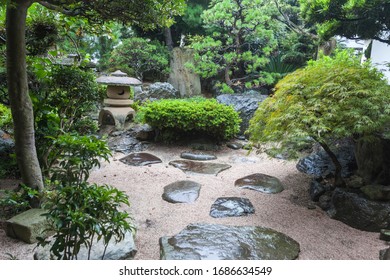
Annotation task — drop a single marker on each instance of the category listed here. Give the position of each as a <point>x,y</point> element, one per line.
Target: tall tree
<point>145,13</point>
<point>353,19</point>
<point>241,34</point>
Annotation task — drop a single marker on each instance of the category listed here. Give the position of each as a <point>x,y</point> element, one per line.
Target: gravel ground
<point>320,237</point>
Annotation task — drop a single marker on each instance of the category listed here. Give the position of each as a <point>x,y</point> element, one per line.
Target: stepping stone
<point>28,226</point>
<point>220,242</point>
<point>231,207</point>
<point>261,183</point>
<point>234,145</point>
<point>190,167</point>
<point>197,156</point>
<point>140,159</point>
<point>122,250</point>
<point>181,192</point>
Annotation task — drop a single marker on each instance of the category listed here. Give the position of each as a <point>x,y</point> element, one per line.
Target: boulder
<point>319,163</point>
<point>244,104</point>
<point>157,91</point>
<point>384,234</point>
<point>28,226</point>
<point>376,192</point>
<point>359,212</point>
<point>126,142</point>
<point>373,160</point>
<point>384,254</point>
<point>123,250</point>
<point>181,77</point>
<point>220,242</point>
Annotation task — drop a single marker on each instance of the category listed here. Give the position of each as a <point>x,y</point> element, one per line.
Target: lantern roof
<point>118,78</point>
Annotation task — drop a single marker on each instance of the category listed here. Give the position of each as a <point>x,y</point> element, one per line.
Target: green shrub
<point>13,202</point>
<point>5,118</point>
<point>331,98</point>
<point>175,118</point>
<point>80,214</point>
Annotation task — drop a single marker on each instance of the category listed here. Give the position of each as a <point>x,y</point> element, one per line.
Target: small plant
<point>5,118</point>
<point>82,214</point>
<point>13,202</point>
<point>176,118</point>
<point>73,156</point>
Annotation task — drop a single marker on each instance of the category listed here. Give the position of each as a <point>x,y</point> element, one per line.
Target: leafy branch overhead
<point>331,98</point>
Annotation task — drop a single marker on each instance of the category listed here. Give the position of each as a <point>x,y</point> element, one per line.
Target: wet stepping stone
<point>197,156</point>
<point>234,145</point>
<point>220,242</point>
<point>140,159</point>
<point>181,192</point>
<point>261,183</point>
<point>231,207</point>
<point>199,167</point>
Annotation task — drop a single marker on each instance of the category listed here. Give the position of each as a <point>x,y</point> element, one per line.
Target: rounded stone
<point>181,192</point>
<point>231,207</point>
<point>261,183</point>
<point>197,156</point>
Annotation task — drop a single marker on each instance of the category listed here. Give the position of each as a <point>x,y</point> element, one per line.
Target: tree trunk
<point>21,105</point>
<point>168,38</point>
<point>338,179</point>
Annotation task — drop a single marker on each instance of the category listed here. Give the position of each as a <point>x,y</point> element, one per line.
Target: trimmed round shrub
<point>177,118</point>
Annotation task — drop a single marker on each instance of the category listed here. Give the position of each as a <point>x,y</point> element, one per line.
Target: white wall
<point>380,57</point>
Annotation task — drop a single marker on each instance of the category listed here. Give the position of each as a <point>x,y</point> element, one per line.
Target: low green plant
<point>176,118</point>
<point>73,156</point>
<point>5,118</point>
<point>82,214</point>
<point>13,202</point>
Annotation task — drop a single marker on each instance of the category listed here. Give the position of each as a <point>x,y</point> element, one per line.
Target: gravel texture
<point>320,237</point>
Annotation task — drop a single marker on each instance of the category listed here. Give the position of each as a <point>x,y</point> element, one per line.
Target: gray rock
<point>181,192</point>
<point>140,159</point>
<point>377,192</point>
<point>319,163</point>
<point>191,167</point>
<point>261,183</point>
<point>234,145</point>
<point>197,156</point>
<point>28,226</point>
<point>157,91</point>
<point>144,132</point>
<point>231,207</point>
<point>220,242</point>
<point>372,157</point>
<point>384,234</point>
<point>126,143</point>
<point>360,212</point>
<point>123,250</point>
<point>384,254</point>
<point>244,104</point>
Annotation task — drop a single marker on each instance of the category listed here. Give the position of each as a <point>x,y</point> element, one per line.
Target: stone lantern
<point>117,110</point>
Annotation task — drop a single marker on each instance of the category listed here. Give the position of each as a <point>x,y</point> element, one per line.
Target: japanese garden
<point>195,130</point>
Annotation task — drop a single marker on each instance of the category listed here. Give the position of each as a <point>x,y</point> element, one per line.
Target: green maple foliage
<point>330,98</point>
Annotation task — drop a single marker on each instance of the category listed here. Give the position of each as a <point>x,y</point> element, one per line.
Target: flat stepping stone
<point>220,242</point>
<point>188,166</point>
<point>231,207</point>
<point>140,159</point>
<point>197,156</point>
<point>261,183</point>
<point>234,145</point>
<point>181,192</point>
